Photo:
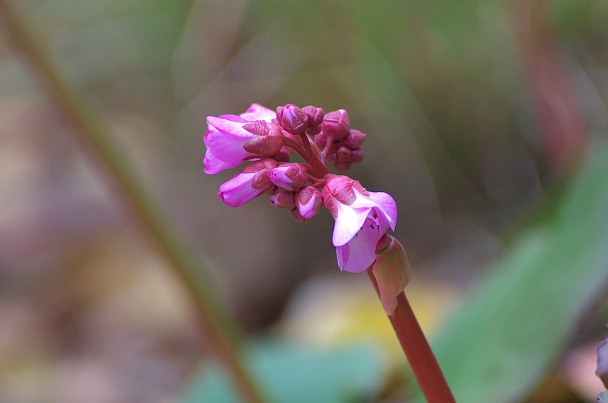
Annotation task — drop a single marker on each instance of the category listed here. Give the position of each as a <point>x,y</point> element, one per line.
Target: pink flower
<point>226,138</point>
<point>362,218</point>
<point>309,202</point>
<point>252,182</point>
<point>290,176</point>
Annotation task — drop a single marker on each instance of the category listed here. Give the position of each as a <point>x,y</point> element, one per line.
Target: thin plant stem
<point>561,123</point>
<point>417,350</point>
<point>218,331</point>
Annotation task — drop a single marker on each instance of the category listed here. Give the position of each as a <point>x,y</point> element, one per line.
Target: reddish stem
<point>417,350</point>
<point>562,127</point>
<point>316,167</point>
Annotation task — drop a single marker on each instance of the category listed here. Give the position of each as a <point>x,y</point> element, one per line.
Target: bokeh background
<point>88,310</point>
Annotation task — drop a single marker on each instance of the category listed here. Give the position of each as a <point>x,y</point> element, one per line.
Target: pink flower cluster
<point>267,139</point>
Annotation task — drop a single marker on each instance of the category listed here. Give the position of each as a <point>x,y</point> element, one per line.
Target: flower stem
<point>217,330</point>
<point>317,169</point>
<point>417,350</point>
<point>561,124</point>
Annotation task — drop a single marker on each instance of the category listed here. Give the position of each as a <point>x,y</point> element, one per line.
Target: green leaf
<point>294,373</point>
<point>510,332</point>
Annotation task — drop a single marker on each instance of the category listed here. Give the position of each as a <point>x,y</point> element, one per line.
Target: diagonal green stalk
<point>217,330</point>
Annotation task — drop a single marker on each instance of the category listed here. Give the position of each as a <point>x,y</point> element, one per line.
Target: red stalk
<point>417,350</point>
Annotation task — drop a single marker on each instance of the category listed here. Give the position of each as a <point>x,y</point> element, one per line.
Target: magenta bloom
<point>362,218</point>
<point>252,182</point>
<point>226,138</point>
<point>289,176</point>
<point>309,202</point>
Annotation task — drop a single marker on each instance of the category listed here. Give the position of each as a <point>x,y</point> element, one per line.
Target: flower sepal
<point>391,270</point>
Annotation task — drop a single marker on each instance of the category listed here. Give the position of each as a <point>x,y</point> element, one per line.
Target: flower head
<point>267,138</point>
<point>362,218</point>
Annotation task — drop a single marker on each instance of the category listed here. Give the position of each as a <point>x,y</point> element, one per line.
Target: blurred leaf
<point>499,346</point>
<point>293,373</point>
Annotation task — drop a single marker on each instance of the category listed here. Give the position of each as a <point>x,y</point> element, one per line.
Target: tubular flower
<point>252,182</point>
<point>226,138</point>
<point>362,218</point>
<point>309,201</point>
<point>289,176</point>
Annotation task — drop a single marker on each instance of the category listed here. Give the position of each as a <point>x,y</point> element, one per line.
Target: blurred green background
<point>88,312</point>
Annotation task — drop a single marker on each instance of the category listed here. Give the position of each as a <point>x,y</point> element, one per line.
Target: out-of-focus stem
<point>92,134</point>
<point>560,121</point>
<point>417,350</point>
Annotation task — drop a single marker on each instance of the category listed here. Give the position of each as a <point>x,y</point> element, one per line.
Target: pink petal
<point>239,190</point>
<point>259,112</point>
<point>214,165</point>
<point>358,254</point>
<point>348,222</point>
<point>387,206</point>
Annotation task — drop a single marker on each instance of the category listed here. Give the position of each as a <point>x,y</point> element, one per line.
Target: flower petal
<point>348,222</point>
<point>259,112</point>
<point>387,205</point>
<point>214,165</point>
<point>239,190</point>
<point>358,254</point>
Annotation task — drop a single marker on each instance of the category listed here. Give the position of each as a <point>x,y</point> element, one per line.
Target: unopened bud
<point>391,270</point>
<point>321,140</point>
<point>313,130</point>
<point>283,199</point>
<point>336,124</point>
<point>343,166</point>
<point>262,169</point>
<point>344,154</point>
<point>296,214</point>
<point>290,176</point>
<point>292,119</point>
<point>358,155</point>
<point>354,139</point>
<point>315,115</point>
<point>282,155</point>
<point>309,201</point>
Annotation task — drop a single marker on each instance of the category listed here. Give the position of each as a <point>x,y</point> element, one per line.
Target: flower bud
<point>292,119</point>
<point>296,214</point>
<point>290,176</point>
<point>252,182</point>
<point>358,155</point>
<point>344,154</point>
<point>321,140</point>
<point>309,201</point>
<point>391,270</point>
<point>313,130</point>
<point>343,166</point>
<point>283,199</point>
<point>336,124</point>
<point>354,139</point>
<point>282,155</point>
<point>315,115</point>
